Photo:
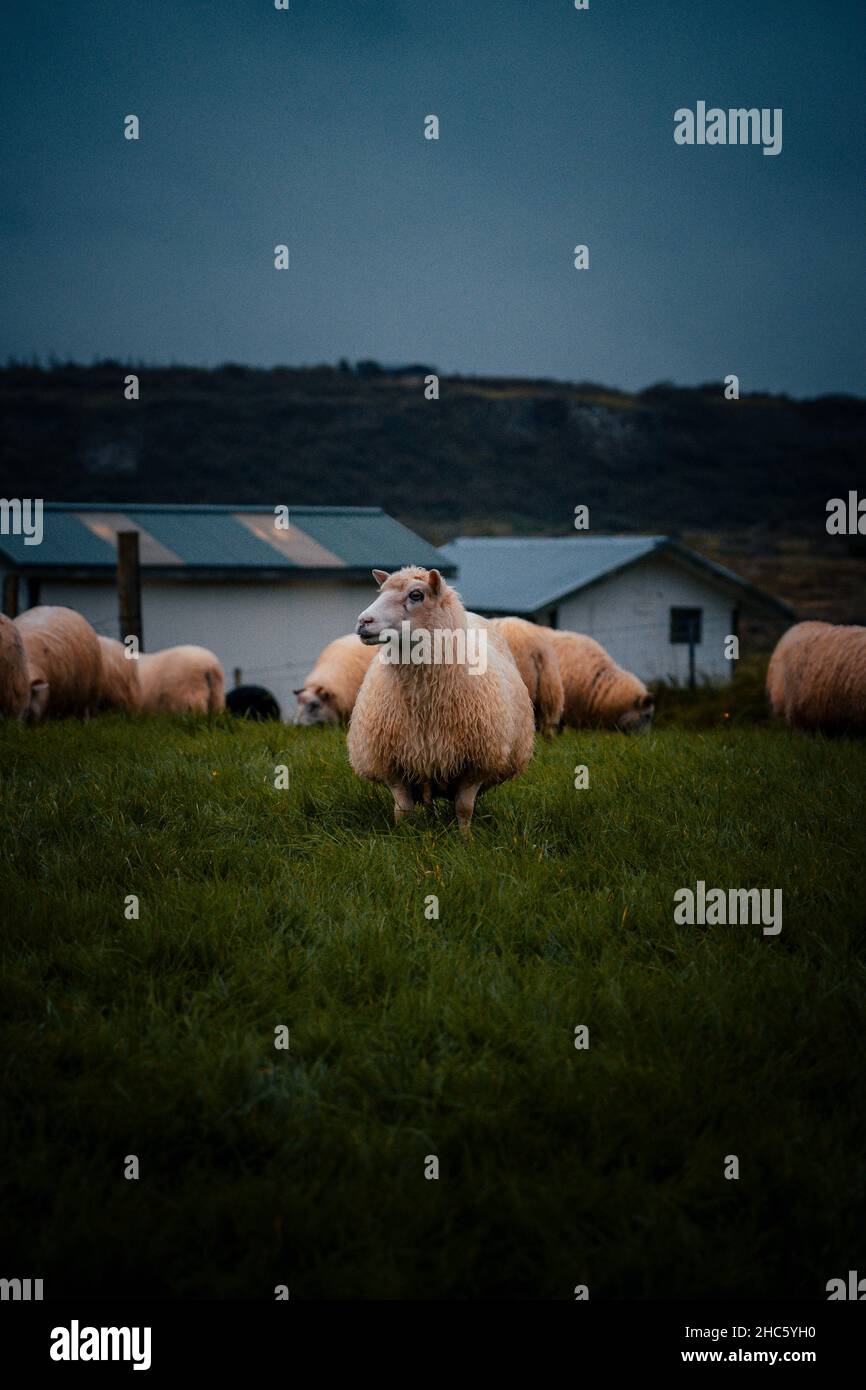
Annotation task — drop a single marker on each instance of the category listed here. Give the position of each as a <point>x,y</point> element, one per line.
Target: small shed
<point>661,609</point>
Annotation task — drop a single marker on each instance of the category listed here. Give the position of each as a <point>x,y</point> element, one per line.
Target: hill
<point>488,455</point>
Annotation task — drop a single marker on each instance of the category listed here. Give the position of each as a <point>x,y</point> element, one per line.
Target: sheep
<point>64,661</point>
<point>598,693</point>
<point>14,672</point>
<point>535,659</point>
<point>785,661</point>
<point>119,688</point>
<point>253,702</point>
<point>181,680</point>
<point>816,678</point>
<point>432,727</point>
<point>329,692</point>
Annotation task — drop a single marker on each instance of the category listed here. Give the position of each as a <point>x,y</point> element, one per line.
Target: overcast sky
<point>556,128</point>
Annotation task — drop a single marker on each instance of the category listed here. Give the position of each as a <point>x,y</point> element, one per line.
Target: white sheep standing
<point>63,659</point>
<point>119,688</point>
<point>181,680</point>
<point>14,672</point>
<point>329,692</point>
<point>436,728</point>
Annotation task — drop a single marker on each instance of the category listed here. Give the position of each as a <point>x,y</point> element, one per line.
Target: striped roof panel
<point>84,536</point>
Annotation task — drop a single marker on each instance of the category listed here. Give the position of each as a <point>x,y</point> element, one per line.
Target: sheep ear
<point>434,579</point>
<point>380,576</point>
<point>299,692</point>
<point>38,699</point>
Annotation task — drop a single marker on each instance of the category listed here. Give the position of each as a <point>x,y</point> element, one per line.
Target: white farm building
<point>265,600</point>
<point>653,603</point>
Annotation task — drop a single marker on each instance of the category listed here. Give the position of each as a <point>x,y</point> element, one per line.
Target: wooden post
<point>129,586</point>
<point>238,675</point>
<point>693,622</point>
<point>10,594</point>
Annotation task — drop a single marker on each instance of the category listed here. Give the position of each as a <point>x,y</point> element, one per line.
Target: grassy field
<point>413,1037</point>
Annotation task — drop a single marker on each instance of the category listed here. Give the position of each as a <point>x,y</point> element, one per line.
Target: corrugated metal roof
<point>83,536</point>
<point>516,575</point>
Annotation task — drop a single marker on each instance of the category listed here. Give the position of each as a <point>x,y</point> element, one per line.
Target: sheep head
<point>38,701</point>
<point>316,706</point>
<point>637,716</point>
<point>414,595</point>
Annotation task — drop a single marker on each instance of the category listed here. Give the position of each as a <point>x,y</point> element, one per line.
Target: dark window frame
<point>682,633</point>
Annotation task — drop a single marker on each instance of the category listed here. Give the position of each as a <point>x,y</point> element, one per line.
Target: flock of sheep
<point>52,664</point>
<point>428,729</point>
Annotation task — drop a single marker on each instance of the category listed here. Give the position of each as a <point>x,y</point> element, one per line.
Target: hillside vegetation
<point>488,455</point>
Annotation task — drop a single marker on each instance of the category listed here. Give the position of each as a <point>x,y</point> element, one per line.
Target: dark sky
<point>306,127</point>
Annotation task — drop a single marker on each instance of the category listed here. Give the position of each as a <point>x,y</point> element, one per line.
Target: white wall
<point>274,632</point>
<point>629,614</point>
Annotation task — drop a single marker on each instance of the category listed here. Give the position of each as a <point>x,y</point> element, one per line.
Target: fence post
<point>129,587</point>
<point>10,594</point>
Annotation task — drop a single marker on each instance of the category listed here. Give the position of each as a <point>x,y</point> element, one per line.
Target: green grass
<point>742,702</point>
<point>411,1037</point>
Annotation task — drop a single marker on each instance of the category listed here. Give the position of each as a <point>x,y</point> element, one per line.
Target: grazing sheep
<point>817,678</point>
<point>181,680</point>
<point>328,694</point>
<point>252,702</point>
<point>437,728</point>
<point>535,659</point>
<point>598,693</point>
<point>119,688</point>
<point>64,661</point>
<point>14,672</point>
<point>785,661</point>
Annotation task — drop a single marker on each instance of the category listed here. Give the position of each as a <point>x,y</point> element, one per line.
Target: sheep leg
<point>404,803</point>
<point>464,803</point>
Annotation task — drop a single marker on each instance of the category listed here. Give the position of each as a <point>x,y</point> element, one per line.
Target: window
<point>686,625</point>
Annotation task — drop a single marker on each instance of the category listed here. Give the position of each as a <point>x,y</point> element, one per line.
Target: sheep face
<point>638,716</point>
<point>38,701</point>
<point>315,706</point>
<point>408,595</point>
